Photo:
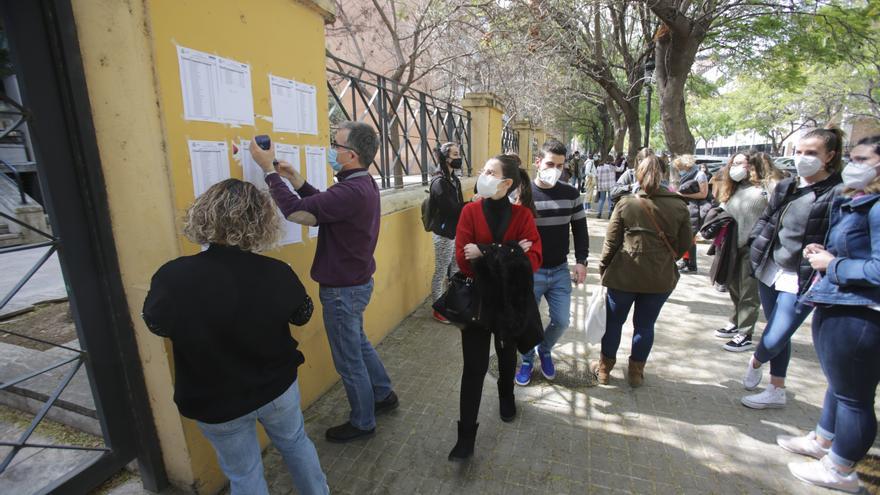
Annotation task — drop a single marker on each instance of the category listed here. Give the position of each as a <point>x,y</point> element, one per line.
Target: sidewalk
<point>684,431</point>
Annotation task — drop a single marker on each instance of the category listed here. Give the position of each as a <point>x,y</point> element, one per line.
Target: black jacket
<point>763,235</point>
<point>698,208</point>
<point>724,264</point>
<point>226,312</point>
<point>505,285</point>
<point>446,197</point>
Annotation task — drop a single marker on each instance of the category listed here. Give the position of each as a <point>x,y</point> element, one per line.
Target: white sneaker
<point>806,445</point>
<point>770,398</point>
<point>752,377</point>
<point>824,473</point>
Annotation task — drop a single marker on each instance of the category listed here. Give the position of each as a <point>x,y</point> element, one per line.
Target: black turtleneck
<point>496,210</point>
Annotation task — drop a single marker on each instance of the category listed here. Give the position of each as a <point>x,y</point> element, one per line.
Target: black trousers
<point>475,352</point>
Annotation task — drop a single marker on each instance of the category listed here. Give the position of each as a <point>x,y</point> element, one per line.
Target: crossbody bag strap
<point>660,233</point>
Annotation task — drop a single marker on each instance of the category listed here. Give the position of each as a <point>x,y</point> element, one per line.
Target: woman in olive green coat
<point>648,231</point>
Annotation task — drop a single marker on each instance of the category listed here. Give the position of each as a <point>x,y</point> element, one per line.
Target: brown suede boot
<point>602,368</point>
<point>636,373</point>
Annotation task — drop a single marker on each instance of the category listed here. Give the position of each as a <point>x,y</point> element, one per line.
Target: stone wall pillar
<point>486,124</point>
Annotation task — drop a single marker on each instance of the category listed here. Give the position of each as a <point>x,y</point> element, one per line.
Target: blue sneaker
<point>547,367</point>
<point>524,375</point>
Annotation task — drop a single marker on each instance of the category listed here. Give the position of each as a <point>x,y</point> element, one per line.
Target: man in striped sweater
<point>559,211</point>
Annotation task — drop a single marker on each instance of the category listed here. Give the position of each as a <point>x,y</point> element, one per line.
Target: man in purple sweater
<point>347,214</point>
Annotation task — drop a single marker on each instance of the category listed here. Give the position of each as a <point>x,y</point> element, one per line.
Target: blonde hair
<point>649,174</point>
<point>233,213</point>
<point>684,162</point>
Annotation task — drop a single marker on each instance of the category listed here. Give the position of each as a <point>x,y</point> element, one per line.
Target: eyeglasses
<point>334,144</point>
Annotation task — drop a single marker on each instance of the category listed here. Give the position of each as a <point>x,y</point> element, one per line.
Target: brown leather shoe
<point>636,373</point>
<point>602,368</point>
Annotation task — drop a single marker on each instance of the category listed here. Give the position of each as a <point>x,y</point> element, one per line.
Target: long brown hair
<point>649,174</point>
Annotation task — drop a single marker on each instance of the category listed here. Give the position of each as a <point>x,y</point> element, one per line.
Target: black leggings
<point>475,351</point>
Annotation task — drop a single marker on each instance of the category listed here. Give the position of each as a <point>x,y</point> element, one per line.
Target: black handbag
<point>460,303</point>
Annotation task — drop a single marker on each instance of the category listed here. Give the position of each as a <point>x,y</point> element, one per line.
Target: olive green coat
<point>634,257</point>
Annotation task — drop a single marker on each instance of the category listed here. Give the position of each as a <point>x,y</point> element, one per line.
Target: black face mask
<point>455,163</point>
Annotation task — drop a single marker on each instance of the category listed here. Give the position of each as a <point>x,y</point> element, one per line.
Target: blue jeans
<point>354,357</point>
<point>603,195</point>
<point>784,315</point>
<point>618,304</point>
<point>554,284</point>
<point>847,340</point>
<point>238,449</point>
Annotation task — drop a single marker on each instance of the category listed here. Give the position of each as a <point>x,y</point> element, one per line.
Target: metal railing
<point>410,123</point>
<point>73,361</point>
<point>19,116</point>
<point>509,140</point>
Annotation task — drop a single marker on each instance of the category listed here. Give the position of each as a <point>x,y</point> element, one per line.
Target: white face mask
<point>738,173</point>
<point>858,175</point>
<point>513,197</point>
<point>807,166</point>
<point>487,186</point>
<point>549,176</point>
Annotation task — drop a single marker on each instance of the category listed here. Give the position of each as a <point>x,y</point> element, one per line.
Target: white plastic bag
<point>595,322</point>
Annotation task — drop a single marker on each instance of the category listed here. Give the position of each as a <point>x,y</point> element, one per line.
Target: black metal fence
<point>509,140</point>
<point>410,123</point>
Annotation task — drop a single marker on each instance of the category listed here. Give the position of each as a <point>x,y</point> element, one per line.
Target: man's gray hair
<point>363,140</point>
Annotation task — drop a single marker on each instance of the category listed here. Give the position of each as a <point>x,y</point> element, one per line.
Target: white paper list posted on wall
<point>209,161</point>
<point>316,173</point>
<point>291,232</point>
<point>215,89</point>
<point>294,106</point>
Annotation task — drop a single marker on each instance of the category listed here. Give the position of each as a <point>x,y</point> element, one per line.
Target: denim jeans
<point>847,340</point>
<point>647,310</point>
<point>555,285</point>
<point>354,357</point>
<point>784,315</point>
<point>238,449</point>
<point>603,195</point>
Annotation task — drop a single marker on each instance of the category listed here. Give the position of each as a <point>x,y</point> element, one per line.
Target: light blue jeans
<point>356,361</point>
<point>238,449</point>
<point>784,313</point>
<point>603,196</point>
<point>554,284</point>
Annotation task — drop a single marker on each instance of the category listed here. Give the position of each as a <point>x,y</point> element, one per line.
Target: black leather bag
<point>459,303</point>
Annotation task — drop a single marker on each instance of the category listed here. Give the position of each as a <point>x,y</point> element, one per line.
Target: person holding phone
<point>348,215</point>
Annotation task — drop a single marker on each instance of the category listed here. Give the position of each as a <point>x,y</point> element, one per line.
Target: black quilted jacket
<point>763,236</point>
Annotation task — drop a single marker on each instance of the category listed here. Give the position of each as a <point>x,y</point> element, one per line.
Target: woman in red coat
<point>480,255</point>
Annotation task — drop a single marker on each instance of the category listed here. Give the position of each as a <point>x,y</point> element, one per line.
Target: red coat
<point>473,228</point>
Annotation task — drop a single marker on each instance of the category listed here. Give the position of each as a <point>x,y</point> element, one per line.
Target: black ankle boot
<point>508,408</point>
<point>464,447</point>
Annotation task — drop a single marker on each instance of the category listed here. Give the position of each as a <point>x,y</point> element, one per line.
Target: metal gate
<point>45,53</point>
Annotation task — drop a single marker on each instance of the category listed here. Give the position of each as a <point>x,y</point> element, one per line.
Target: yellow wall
<point>130,59</point>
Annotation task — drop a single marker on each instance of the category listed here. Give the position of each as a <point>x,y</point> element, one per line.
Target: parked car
<point>786,164</point>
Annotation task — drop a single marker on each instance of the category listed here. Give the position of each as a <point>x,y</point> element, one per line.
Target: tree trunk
<point>675,55</point>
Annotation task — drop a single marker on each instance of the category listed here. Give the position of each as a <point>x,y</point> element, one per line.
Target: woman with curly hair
<point>226,311</point>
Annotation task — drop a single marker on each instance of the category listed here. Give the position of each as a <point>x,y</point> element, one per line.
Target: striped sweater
<point>558,208</point>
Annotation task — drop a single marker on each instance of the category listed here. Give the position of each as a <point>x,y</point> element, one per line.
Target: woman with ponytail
<point>497,244</point>
<point>796,216</point>
<point>447,200</point>
<point>846,328</point>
